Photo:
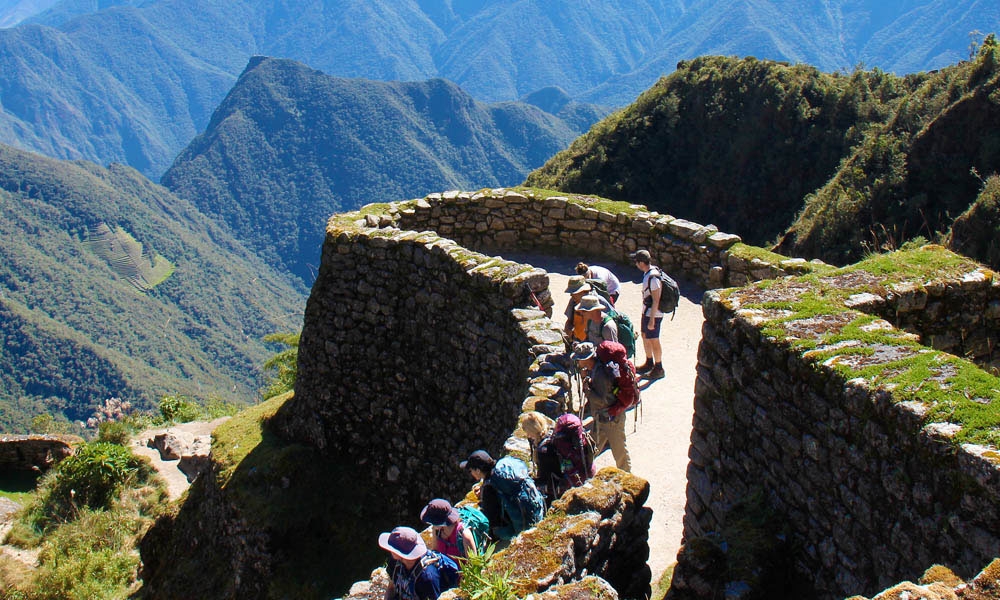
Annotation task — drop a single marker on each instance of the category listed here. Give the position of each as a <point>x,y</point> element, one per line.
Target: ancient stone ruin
<point>824,398</point>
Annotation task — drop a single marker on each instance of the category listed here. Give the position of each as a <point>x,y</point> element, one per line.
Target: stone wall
<point>875,451</point>
<point>34,452</point>
<point>415,352</point>
<point>498,220</point>
<point>958,316</point>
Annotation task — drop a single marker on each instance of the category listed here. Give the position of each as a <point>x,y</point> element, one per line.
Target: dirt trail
<point>177,482</point>
<point>659,447</point>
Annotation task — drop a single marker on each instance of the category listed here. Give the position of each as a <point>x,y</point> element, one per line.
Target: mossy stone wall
<point>411,357</point>
<point>872,477</point>
<point>499,220</point>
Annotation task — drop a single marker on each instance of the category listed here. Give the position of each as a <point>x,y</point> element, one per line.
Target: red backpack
<point>626,385</point>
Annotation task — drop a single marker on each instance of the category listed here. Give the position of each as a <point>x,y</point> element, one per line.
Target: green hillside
<point>289,146</point>
<point>737,143</point>
<point>913,174</point>
<point>111,286</point>
<point>829,165</point>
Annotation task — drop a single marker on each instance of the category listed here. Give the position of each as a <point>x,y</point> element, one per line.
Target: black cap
<point>480,459</point>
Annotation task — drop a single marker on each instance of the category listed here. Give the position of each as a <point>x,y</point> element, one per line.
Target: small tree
<point>283,367</point>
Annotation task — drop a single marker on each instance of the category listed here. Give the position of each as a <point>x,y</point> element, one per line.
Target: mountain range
<point>111,286</point>
<point>289,146</point>
<point>133,82</point>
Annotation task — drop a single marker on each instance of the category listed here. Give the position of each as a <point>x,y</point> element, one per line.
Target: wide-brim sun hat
<point>588,303</point>
<point>583,351</point>
<point>440,513</point>
<point>577,284</point>
<point>403,542</point>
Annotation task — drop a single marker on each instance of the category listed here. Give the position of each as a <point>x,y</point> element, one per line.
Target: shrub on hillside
<point>179,409</point>
<point>90,479</point>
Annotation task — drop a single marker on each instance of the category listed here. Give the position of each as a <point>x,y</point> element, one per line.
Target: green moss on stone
<point>808,314</point>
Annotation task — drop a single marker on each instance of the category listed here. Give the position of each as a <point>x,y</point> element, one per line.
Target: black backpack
<point>670,294</point>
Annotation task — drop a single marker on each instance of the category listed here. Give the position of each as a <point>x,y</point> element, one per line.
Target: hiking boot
<point>656,373</point>
<point>646,367</point>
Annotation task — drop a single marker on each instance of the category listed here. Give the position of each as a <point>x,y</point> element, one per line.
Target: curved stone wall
<point>413,354</point>
<point>498,220</point>
<point>874,450</point>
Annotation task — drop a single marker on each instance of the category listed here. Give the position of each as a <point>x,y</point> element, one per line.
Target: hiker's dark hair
<point>582,268</point>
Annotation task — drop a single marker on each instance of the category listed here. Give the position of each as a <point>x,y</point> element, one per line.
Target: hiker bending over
<point>508,480</point>
<point>567,454</point>
<point>480,465</point>
<point>603,275</point>
<point>415,573</point>
<point>596,326</point>
<point>452,535</point>
<point>600,380</point>
<point>651,316</point>
<point>548,475</point>
<point>576,325</point>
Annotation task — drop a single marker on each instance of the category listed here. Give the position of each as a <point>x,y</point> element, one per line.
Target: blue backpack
<point>476,522</point>
<point>519,498</point>
<point>405,582</point>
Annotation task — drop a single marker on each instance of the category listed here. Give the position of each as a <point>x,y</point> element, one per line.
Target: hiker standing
<point>415,573</point>
<point>651,316</point>
<point>599,382</point>
<point>451,535</point>
<point>596,326</point>
<point>602,274</point>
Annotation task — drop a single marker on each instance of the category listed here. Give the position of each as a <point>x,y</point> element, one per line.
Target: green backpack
<point>626,332</point>
<point>476,522</point>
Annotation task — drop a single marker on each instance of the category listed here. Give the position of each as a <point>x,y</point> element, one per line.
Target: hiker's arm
<point>469,542</point>
<point>654,293</point>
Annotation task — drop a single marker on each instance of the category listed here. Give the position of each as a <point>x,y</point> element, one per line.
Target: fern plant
<point>481,583</point>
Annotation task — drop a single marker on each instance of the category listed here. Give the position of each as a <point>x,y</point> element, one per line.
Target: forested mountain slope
<point>830,165</point>
<point>110,286</point>
<point>289,146</point>
<point>914,174</point>
<point>132,81</point>
<point>737,143</point>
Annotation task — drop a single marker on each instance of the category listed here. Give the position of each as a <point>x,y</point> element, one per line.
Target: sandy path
<point>177,482</point>
<point>660,445</point>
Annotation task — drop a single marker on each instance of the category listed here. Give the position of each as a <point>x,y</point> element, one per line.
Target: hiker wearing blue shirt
<point>415,573</point>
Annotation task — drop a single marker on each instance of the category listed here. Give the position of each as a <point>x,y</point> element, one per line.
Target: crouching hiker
<point>458,533</point>
<point>415,573</point>
<point>519,504</point>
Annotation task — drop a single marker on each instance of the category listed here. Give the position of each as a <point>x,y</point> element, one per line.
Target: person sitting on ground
<point>415,573</point>
<point>480,466</point>
<point>451,537</point>
<point>602,274</point>
<point>576,326</point>
<point>596,326</point>
<point>599,381</point>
